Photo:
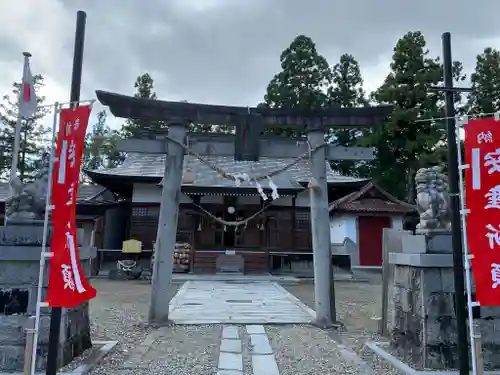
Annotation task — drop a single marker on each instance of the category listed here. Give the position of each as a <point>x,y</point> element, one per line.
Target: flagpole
<point>466,253</point>
<point>44,254</point>
<point>15,154</point>
<point>76,81</point>
<point>17,133</point>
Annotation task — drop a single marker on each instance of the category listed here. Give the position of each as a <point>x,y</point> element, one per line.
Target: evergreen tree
<point>144,86</point>
<point>403,141</point>
<point>100,146</point>
<point>35,137</point>
<point>347,89</point>
<point>486,83</point>
<point>302,83</point>
<point>346,92</point>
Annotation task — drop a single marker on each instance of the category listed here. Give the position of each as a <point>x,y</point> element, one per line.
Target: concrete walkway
<point>232,302</point>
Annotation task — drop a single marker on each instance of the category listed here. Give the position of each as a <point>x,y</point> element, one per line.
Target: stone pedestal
<point>422,317</point>
<point>20,251</point>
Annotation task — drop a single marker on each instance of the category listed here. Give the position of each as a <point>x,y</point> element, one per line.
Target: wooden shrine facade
<point>276,229</point>
<point>279,230</point>
<point>284,227</point>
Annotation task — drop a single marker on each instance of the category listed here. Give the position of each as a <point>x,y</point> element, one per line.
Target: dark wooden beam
<point>146,109</point>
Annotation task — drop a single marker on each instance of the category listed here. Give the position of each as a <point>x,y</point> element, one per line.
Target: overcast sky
<point>223,51</point>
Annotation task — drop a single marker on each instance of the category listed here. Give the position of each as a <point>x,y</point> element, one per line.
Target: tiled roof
<point>85,191</point>
<point>203,175</point>
<point>371,198</point>
<point>152,166</point>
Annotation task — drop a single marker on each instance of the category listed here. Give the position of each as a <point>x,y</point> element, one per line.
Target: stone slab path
<point>230,302</point>
<point>239,350</point>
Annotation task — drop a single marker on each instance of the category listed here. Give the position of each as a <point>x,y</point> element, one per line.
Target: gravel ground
<point>119,313</point>
<point>358,307</point>
<point>182,350</point>
<point>306,350</point>
<point>247,358</point>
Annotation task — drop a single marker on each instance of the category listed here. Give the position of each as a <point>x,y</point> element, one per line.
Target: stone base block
<point>439,243</point>
<point>422,316</point>
<point>444,357</point>
<point>75,339</point>
<point>11,358</point>
<point>20,251</point>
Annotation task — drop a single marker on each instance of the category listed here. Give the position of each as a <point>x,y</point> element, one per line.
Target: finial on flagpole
<point>26,54</point>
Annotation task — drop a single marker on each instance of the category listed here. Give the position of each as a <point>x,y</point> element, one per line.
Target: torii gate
<point>249,122</point>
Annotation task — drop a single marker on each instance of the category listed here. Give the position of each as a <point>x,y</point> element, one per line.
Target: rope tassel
<point>274,188</point>
<point>260,190</point>
<point>240,177</point>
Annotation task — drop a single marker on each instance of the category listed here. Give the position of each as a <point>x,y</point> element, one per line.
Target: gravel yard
<point>179,350</point>
<point>120,313</point>
<point>306,350</point>
<point>358,306</point>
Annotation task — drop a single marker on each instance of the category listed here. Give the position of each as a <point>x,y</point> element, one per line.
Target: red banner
<point>482,199</point>
<point>68,286</point>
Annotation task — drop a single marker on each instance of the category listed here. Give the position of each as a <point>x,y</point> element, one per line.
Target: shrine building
<point>278,238</point>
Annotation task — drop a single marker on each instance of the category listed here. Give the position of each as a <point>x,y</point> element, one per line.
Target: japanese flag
<point>27,96</point>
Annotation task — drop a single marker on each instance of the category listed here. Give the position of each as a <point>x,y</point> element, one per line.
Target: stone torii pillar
<point>248,122</point>
<point>167,224</point>
<point>320,226</point>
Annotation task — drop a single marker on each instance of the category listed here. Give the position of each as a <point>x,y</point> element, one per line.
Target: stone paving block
<point>265,364</point>
<point>230,332</point>
<point>230,346</point>
<point>260,344</point>
<point>265,302</point>
<point>256,330</point>
<point>229,372</point>
<point>230,361</point>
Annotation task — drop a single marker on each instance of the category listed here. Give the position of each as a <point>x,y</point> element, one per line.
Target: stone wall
<point>422,317</point>
<point>19,268</point>
<point>75,338</point>
<point>422,322</point>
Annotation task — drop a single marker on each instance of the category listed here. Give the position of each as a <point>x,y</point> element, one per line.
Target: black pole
<point>76,81</point>
<point>456,230</point>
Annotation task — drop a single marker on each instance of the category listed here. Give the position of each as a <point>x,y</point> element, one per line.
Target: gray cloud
<point>222,51</point>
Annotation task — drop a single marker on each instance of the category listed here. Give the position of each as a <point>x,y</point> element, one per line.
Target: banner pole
<point>76,81</point>
<point>467,256</point>
<point>454,207</point>
<point>44,254</point>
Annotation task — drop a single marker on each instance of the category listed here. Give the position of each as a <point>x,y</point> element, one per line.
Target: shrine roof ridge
<point>151,167</point>
<point>146,109</point>
<point>86,193</point>
<point>363,201</point>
